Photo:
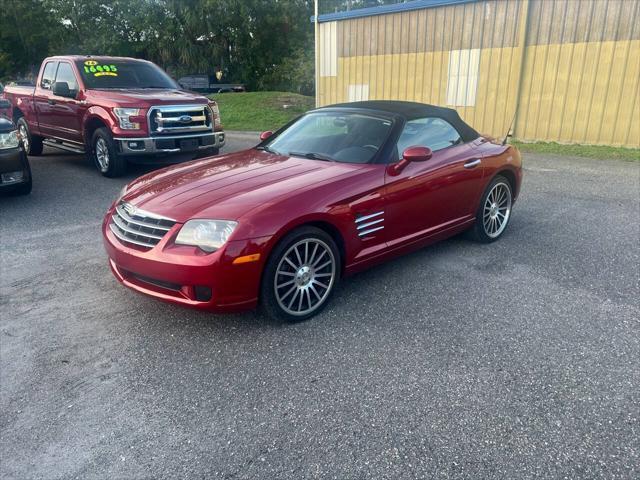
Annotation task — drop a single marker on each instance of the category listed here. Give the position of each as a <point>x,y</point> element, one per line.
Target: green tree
<point>27,35</point>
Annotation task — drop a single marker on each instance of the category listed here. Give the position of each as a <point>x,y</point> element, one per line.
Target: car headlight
<point>208,235</point>
<point>124,115</point>
<point>9,140</point>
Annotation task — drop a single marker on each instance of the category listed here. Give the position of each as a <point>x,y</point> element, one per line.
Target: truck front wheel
<point>105,155</point>
<point>32,143</point>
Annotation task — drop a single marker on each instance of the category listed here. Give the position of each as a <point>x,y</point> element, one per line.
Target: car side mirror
<point>411,154</point>
<point>4,103</point>
<point>61,89</point>
<point>265,135</point>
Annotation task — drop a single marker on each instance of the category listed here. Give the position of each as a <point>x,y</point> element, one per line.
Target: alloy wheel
<point>102,154</point>
<point>497,209</point>
<point>25,137</point>
<point>305,276</point>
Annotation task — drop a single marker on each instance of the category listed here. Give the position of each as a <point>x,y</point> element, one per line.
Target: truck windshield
<point>110,73</point>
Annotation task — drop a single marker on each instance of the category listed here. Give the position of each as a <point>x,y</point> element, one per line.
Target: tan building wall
<point>570,67</point>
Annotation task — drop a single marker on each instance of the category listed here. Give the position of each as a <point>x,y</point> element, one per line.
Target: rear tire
<point>105,154</point>
<point>494,211</point>
<point>32,143</point>
<point>300,275</point>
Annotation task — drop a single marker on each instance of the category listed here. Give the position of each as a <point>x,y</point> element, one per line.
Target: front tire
<point>301,275</point>
<point>494,211</point>
<point>32,143</point>
<point>105,155</point>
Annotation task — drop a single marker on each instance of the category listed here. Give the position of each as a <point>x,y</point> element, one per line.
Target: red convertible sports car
<point>337,190</point>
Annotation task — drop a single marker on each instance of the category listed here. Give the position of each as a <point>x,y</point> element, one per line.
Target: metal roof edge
<point>383,9</point>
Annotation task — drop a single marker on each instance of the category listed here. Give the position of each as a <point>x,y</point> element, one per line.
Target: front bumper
<point>180,274</point>
<point>170,143</point>
<point>13,160</point>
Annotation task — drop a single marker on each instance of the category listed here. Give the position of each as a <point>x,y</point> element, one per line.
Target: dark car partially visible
<point>15,173</point>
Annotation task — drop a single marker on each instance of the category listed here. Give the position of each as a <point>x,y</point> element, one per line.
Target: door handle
<point>472,163</point>
<point>51,101</point>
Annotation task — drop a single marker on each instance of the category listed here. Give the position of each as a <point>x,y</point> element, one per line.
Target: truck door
<point>44,113</point>
<point>66,118</point>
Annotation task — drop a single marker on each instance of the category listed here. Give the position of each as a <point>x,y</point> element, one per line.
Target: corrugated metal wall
<point>572,67</point>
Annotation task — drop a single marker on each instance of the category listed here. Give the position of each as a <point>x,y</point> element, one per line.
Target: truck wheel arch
<point>96,118</point>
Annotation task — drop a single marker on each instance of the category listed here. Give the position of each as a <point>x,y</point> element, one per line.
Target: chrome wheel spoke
<point>323,265</point>
<point>293,265</point>
<point>293,298</point>
<point>318,282</point>
<point>319,257</point>
<point>288,274</point>
<point>313,289</point>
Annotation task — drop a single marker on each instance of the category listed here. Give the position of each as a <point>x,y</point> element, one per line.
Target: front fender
<point>93,115</point>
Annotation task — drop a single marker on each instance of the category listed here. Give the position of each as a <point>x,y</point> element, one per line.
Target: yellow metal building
<point>568,70</point>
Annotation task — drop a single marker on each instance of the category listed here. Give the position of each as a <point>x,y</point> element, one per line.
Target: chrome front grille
<point>367,224</point>
<point>132,225</point>
<point>172,119</point>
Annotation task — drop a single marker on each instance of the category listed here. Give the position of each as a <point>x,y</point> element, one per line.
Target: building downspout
<point>523,28</point>
<point>316,28</point>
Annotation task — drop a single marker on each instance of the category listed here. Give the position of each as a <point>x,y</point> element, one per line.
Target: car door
<point>66,116</point>
<point>428,197</point>
<point>42,97</point>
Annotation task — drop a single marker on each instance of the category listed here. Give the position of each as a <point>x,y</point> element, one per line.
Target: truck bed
<point>18,90</point>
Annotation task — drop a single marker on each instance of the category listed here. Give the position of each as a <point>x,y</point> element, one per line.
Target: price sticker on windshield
<point>93,67</point>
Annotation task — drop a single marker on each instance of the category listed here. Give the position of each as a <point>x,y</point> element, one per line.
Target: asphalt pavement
<point>519,359</point>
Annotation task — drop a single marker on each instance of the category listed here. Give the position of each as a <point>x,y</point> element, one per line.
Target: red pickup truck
<point>113,109</point>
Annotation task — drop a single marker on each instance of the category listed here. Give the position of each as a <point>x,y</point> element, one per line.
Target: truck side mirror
<point>61,89</point>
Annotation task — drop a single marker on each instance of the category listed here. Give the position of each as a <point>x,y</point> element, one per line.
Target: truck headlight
<point>124,115</point>
<point>208,235</point>
<point>215,112</point>
<point>9,140</point>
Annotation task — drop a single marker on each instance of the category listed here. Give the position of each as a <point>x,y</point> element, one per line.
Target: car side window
<point>431,132</point>
<point>65,74</point>
<point>48,75</point>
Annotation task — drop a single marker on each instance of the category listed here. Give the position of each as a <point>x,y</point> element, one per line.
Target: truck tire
<point>105,155</point>
<point>32,143</point>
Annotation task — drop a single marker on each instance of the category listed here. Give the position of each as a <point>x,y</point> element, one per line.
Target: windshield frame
<point>80,63</point>
<point>382,156</point>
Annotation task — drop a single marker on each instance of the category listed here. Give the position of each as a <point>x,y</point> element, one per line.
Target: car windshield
<point>111,73</point>
<point>333,136</point>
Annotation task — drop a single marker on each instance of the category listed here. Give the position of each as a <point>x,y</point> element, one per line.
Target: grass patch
<point>260,111</point>
<point>587,151</point>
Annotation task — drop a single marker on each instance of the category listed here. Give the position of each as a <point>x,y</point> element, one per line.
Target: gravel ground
<point>519,359</point>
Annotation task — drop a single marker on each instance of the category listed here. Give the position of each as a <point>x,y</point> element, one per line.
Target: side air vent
<point>367,224</point>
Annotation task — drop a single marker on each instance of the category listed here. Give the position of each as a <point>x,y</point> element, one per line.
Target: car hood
<point>149,97</point>
<point>229,186</point>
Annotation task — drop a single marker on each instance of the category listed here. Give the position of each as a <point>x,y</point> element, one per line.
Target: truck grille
<point>138,227</point>
<point>180,119</point>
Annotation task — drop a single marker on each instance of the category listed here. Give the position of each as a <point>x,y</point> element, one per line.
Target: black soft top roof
<point>413,110</point>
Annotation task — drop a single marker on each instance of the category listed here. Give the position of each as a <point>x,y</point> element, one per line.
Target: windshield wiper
<point>267,149</point>
<point>312,156</point>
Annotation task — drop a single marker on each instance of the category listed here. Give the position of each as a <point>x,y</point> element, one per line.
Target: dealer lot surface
<point>513,360</point>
